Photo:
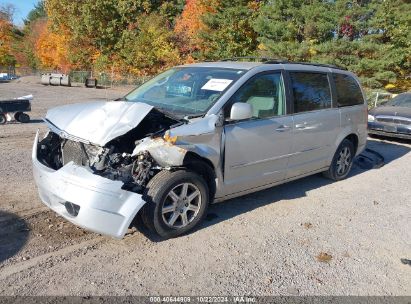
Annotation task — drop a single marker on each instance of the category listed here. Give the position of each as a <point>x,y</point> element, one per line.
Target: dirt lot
<point>308,237</point>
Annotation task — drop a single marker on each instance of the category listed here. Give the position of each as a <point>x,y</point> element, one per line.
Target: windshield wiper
<point>193,116</point>
<point>168,114</point>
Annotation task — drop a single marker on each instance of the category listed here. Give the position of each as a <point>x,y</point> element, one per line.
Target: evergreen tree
<point>290,29</point>
<point>369,37</point>
<point>228,30</point>
<point>391,30</point>
<point>38,12</point>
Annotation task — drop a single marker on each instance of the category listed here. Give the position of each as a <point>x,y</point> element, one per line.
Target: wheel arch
<point>354,139</point>
<point>347,134</point>
<point>203,167</point>
<point>200,165</point>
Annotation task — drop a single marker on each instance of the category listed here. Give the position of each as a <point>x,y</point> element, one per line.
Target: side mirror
<point>241,110</point>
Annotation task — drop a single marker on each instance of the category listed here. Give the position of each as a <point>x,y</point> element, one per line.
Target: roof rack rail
<point>310,63</point>
<point>266,60</point>
<point>332,66</point>
<point>255,58</point>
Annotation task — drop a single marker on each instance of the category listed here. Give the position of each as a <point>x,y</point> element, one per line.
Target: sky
<point>23,7</point>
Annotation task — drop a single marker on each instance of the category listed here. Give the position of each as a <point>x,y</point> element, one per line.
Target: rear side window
<point>311,91</point>
<point>348,91</point>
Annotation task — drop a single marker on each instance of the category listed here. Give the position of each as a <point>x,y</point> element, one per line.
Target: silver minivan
<point>194,135</point>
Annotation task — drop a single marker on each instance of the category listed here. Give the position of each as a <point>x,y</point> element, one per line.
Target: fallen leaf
<point>324,257</point>
<point>307,225</point>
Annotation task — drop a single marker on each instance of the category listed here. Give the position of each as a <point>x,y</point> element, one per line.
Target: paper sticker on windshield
<point>217,84</point>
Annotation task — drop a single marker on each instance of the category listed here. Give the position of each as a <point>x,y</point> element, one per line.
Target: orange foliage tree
<point>190,23</point>
<point>51,49</point>
<point>6,37</point>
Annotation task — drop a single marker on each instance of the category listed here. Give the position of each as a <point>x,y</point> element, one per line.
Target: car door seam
<point>263,160</point>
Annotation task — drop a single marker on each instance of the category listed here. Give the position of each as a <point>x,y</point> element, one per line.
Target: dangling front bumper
<point>85,199</point>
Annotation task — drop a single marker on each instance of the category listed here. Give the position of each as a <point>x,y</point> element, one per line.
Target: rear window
<point>311,91</point>
<point>348,91</point>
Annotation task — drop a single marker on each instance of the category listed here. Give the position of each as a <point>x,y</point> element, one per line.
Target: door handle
<point>301,126</point>
<point>283,128</point>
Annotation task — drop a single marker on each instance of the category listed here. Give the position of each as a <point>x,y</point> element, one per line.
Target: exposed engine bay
<point>114,160</point>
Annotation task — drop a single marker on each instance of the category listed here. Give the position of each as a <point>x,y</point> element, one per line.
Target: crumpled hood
<point>98,122</point>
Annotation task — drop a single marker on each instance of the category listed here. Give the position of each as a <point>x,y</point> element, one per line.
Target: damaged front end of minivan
<point>93,165</point>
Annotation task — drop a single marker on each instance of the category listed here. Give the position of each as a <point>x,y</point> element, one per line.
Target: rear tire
<point>24,118</point>
<point>3,119</point>
<point>177,201</point>
<point>342,161</point>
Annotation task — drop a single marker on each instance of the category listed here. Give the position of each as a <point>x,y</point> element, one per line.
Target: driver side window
<point>265,93</point>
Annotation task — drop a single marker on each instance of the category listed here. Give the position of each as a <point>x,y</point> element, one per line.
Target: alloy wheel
<point>181,205</point>
<point>343,161</point>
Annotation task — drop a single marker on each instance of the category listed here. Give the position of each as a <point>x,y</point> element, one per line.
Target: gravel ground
<point>307,237</point>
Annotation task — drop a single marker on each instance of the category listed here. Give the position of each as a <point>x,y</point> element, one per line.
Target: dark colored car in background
<point>392,118</point>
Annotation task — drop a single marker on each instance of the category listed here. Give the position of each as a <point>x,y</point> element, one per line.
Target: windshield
<point>402,100</point>
<point>186,91</point>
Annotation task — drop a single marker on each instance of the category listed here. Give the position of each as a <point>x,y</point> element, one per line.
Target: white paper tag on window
<point>217,84</point>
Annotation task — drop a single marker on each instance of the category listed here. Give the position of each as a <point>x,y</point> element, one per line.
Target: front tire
<point>176,202</point>
<point>342,161</point>
<point>17,115</point>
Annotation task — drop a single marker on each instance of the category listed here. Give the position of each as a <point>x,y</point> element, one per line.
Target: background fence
<point>104,79</point>
<point>108,79</point>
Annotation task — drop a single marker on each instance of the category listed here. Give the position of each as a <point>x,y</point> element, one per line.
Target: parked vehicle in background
<point>380,97</point>
<point>194,135</point>
<point>15,109</point>
<point>7,77</point>
<point>392,118</point>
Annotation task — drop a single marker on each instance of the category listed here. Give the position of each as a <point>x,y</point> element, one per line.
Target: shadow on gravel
<point>32,121</point>
<point>14,233</point>
<point>378,153</point>
<point>389,151</point>
<point>390,139</point>
<point>36,121</point>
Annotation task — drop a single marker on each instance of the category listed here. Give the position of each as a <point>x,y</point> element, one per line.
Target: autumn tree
<point>149,47</point>
<point>51,49</point>
<point>190,23</point>
<point>170,11</point>
<point>370,37</point>
<point>101,30</point>
<point>6,36</point>
<point>34,25</point>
